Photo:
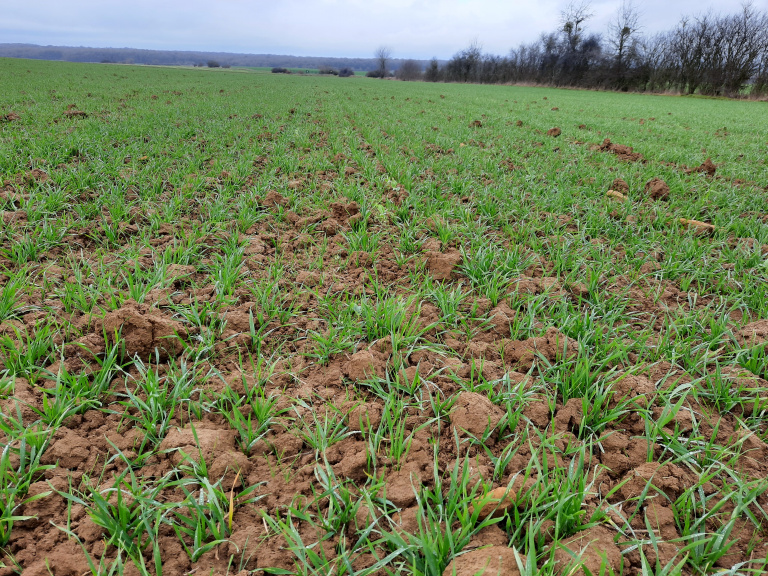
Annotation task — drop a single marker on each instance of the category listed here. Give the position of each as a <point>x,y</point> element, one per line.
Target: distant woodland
<point>184,58</point>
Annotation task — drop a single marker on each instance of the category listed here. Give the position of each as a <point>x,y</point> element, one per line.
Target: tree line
<point>186,58</point>
<point>711,54</point>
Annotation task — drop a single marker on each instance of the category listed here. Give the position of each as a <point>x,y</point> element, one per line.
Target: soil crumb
<point>656,189</point>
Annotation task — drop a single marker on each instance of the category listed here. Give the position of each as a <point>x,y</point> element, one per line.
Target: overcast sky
<point>412,28</point>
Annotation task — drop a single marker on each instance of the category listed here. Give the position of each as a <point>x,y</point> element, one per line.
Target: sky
<point>343,28</point>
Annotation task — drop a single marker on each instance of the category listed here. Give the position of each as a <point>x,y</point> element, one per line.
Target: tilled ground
<point>301,364</point>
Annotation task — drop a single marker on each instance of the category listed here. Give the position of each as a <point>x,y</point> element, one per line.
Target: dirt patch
<point>364,365</point>
<point>274,199</point>
<point>621,452</point>
<point>36,176</point>
<point>662,520</point>
<point>590,550</point>
<point>624,153</point>
<point>620,186</point>
<point>441,265</point>
<point>500,320</point>
<point>492,561</point>
<point>75,114</point>
<point>401,488</point>
<point>9,117</point>
<point>753,334</point>
<point>343,212</point>
<point>475,413</point>
<point>554,132</point>
<point>656,189</point>
<point>554,346</point>
<point>669,479</point>
<point>633,387</point>
<point>144,330</point>
<point>707,167</point>
<point>500,501</point>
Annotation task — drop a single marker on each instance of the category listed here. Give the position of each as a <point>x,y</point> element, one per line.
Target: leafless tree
<point>433,72</point>
<point>622,35</point>
<point>572,18</point>
<point>743,45</point>
<point>382,55</point>
<point>465,65</point>
<point>409,70</point>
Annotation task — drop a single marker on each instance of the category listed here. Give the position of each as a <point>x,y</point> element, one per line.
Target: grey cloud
<point>413,28</point>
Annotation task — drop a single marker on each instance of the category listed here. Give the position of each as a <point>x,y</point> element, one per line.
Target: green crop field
<point>258,323</point>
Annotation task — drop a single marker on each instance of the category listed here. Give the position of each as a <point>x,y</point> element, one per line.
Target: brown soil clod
<point>36,176</point>
<point>620,185</point>
<point>624,153</point>
<point>500,501</point>
<point>707,167</point>
<point>656,189</point>
<point>10,117</point>
<point>592,549</point>
<point>476,124</point>
<point>442,265</point>
<point>144,330</point>
<point>500,320</point>
<point>554,132</point>
<point>274,199</point>
<point>400,488</point>
<point>753,334</point>
<point>364,365</point>
<point>667,478</point>
<point>491,561</point>
<point>519,123</point>
<point>343,212</point>
<point>553,346</point>
<point>475,413</point>
<point>75,114</point>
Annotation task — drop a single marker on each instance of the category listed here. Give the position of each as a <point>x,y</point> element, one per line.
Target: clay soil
<point>245,335</point>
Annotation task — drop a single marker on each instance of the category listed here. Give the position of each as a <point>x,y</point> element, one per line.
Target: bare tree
<point>433,72</point>
<point>622,35</point>
<point>465,65</point>
<point>409,70</point>
<point>743,46</point>
<point>572,18</point>
<point>382,55</point>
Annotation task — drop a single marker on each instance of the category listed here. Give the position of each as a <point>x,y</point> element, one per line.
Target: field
<point>257,323</point>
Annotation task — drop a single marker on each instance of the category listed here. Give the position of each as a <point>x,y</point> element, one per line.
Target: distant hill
<point>183,58</point>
